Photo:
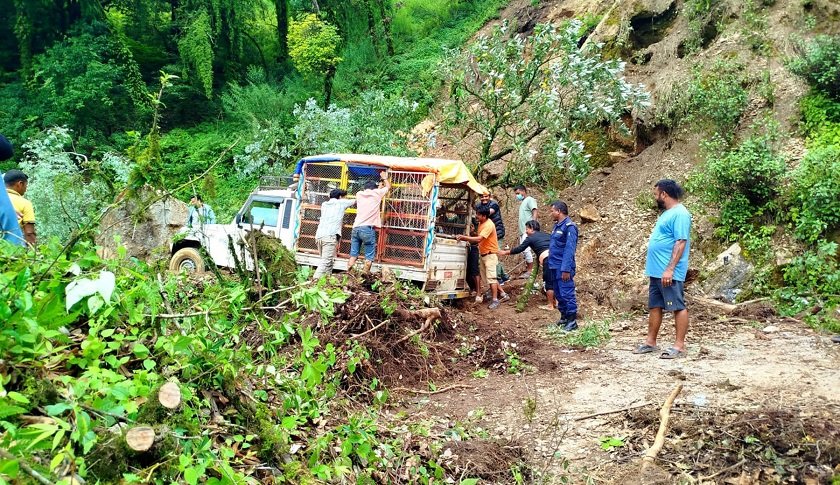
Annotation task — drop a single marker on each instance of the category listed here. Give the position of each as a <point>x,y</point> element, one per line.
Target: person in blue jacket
<point>561,260</point>
<point>9,225</point>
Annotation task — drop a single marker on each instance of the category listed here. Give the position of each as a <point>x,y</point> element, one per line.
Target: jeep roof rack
<point>274,182</point>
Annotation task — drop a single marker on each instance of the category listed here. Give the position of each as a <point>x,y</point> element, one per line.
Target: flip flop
<point>672,353</point>
<point>836,339</point>
<point>645,349</point>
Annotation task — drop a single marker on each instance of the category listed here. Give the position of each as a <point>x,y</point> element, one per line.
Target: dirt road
<point>756,365</point>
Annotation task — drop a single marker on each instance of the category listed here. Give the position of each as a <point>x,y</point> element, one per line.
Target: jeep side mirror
<point>238,218</point>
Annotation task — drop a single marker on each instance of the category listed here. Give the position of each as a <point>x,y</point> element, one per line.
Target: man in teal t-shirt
<point>527,212</point>
<point>666,266</point>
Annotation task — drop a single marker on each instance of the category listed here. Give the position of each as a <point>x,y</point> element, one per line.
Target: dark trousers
<point>564,292</point>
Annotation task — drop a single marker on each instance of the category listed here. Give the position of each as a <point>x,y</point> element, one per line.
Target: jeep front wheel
<point>187,259</point>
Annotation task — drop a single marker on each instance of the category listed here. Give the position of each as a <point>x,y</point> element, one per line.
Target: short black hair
<point>520,187</point>
<point>6,150</point>
<point>198,197</point>
<point>14,176</point>
<point>533,225</point>
<point>485,211</point>
<point>370,184</point>
<point>561,206</point>
<point>337,193</point>
<point>670,187</point>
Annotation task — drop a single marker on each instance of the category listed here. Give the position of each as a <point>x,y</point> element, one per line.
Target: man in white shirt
<point>329,229</point>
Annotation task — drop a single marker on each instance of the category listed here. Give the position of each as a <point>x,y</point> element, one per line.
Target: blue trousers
<point>564,292</point>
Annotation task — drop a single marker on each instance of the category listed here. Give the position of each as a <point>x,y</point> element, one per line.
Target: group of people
<point>555,252</point>
<point>666,265</point>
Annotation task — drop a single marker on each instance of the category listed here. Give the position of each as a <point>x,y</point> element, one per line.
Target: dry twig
<point>659,442</point>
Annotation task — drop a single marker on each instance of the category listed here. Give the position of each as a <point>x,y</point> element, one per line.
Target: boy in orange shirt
<point>488,246</point>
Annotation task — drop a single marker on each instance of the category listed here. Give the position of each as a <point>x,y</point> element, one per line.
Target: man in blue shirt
<point>666,266</point>
<point>561,260</point>
<point>9,225</point>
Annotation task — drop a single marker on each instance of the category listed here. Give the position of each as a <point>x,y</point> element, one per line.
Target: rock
<point>145,224</point>
<point>770,329</point>
<point>729,274</point>
<point>589,213</point>
<point>617,156</point>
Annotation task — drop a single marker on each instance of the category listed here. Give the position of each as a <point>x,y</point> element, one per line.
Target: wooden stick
<point>628,408</point>
<point>729,468</point>
<point>384,322</point>
<point>25,467</point>
<point>445,389</point>
<point>659,442</point>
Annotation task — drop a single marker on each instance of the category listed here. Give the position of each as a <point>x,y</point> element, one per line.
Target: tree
<point>281,9</point>
<point>313,48</point>
<point>524,99</point>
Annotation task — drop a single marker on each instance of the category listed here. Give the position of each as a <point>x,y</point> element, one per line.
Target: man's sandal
<point>672,353</point>
<point>645,349</point>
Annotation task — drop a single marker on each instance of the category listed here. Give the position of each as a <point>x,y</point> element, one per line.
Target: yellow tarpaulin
<point>448,171</point>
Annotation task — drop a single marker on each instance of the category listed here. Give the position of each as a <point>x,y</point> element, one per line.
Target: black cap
<point>6,150</point>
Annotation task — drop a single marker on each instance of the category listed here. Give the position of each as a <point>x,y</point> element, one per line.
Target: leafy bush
<point>814,278</point>
<point>814,197</point>
<point>743,181</point>
<point>818,61</point>
<point>89,83</point>
<point>718,96</point>
<point>66,189</point>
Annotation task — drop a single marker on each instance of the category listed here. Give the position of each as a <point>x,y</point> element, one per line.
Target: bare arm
<point>676,255</point>
<point>29,233</point>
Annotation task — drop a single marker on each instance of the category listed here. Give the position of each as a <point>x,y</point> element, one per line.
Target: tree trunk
<point>328,85</point>
<point>173,10</point>
<point>281,9</point>
<point>386,15</point>
<point>371,20</point>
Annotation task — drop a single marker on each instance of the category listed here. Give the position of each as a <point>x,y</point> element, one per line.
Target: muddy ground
<point>759,404</point>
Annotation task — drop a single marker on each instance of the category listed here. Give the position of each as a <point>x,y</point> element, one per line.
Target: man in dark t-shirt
<point>539,243</point>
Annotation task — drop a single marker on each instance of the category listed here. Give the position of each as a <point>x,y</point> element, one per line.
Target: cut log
<point>169,395</point>
<point>140,438</point>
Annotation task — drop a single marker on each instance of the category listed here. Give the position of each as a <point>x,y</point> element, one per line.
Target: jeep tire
<point>188,259</point>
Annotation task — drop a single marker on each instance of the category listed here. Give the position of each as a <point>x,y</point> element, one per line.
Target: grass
<point>592,334</point>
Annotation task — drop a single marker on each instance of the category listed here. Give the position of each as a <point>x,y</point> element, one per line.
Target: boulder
<point>589,213</point>
<point>145,223</point>
<point>728,275</point>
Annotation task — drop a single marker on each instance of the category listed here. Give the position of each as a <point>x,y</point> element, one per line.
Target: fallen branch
<point>628,408</point>
<point>438,391</point>
<point>25,467</point>
<point>721,472</point>
<point>725,307</point>
<point>659,442</point>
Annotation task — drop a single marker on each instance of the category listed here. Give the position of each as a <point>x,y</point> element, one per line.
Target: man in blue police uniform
<point>9,225</point>
<point>667,266</point>
<point>561,260</point>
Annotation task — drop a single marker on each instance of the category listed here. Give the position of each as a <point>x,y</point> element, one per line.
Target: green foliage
<point>314,45</point>
<point>814,193</point>
<point>88,83</point>
<point>701,15</point>
<point>818,61</point>
<point>86,347</point>
<point>196,49</point>
<point>609,443</point>
<point>67,189</point>
<point>813,278</point>
<point>717,97</point>
<point>755,25</point>
<point>593,334</point>
<point>744,182</point>
<point>523,97</point>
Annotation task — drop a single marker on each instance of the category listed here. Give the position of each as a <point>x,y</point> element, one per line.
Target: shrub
<point>718,96</point>
<point>813,278</point>
<point>814,196</point>
<point>744,182</point>
<point>818,61</point>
